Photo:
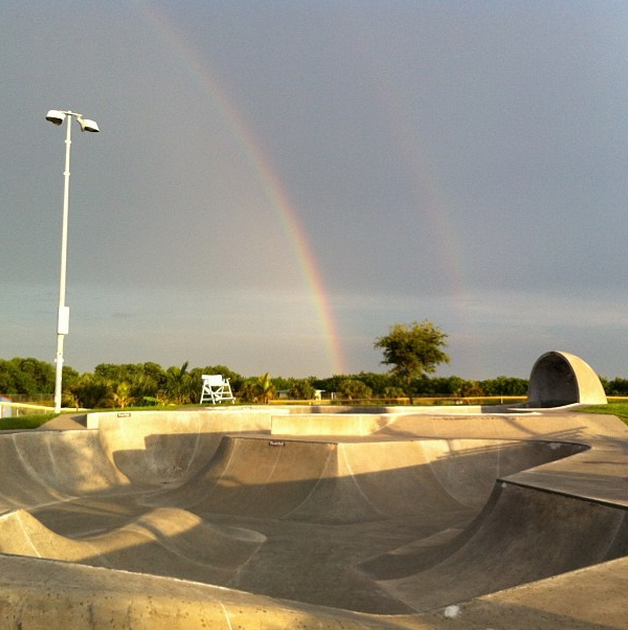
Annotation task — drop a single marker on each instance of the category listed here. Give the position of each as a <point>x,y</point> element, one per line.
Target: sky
<point>277,182</point>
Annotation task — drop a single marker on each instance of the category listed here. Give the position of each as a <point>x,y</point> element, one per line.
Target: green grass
<point>619,409</point>
<point>29,421</point>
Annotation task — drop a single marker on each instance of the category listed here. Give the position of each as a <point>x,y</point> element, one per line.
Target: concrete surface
<point>261,518</point>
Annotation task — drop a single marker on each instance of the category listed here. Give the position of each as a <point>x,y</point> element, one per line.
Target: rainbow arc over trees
<point>266,174</point>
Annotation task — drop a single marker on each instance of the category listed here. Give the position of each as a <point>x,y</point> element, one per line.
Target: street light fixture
<point>57,117</point>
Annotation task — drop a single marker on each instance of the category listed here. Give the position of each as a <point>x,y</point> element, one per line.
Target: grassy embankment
<point>29,421</point>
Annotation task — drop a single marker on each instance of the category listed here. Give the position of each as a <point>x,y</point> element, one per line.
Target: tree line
<point>144,384</point>
<point>413,352</point>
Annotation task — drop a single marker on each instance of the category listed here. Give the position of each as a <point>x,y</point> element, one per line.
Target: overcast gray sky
<point>277,182</point>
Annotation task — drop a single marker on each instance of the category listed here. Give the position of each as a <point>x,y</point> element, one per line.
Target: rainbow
<point>268,178</point>
<point>434,208</point>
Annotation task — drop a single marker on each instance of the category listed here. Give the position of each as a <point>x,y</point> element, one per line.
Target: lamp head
<point>88,125</point>
<point>56,117</point>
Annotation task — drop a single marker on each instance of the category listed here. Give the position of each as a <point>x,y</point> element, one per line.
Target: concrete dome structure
<point>560,378</point>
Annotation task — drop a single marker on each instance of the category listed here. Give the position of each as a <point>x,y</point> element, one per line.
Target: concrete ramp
<point>347,482</point>
<point>522,536</point>
<point>46,468</point>
<point>157,448</point>
<point>252,476</point>
<point>167,541</point>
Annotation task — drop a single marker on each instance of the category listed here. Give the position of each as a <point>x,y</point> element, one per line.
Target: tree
<point>122,396</point>
<point>257,390</point>
<point>378,383</point>
<point>394,392</point>
<point>143,386</point>
<point>471,389</point>
<point>413,350</point>
<point>330,384</point>
<point>91,392</point>
<point>179,384</point>
<point>505,386</point>
<point>301,389</point>
<point>248,391</point>
<point>26,376</point>
<point>353,389</point>
<point>265,388</point>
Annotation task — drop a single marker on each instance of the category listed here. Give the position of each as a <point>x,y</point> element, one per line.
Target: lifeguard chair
<point>216,389</point>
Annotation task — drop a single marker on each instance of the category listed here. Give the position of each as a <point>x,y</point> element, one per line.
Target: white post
<point>63,315</point>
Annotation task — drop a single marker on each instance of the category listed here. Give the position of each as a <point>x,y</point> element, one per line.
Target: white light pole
<point>56,117</point>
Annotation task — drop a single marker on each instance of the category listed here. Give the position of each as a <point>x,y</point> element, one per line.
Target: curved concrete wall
<point>560,378</point>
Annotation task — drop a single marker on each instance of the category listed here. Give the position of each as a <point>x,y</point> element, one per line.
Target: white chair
<point>216,389</point>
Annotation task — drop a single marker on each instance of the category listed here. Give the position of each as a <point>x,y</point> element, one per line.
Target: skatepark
<point>322,517</point>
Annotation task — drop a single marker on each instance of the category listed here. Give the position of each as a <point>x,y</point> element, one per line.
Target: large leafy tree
<point>413,350</point>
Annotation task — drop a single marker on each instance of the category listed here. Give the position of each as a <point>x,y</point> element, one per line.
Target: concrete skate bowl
<point>240,519</point>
